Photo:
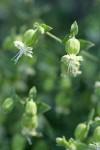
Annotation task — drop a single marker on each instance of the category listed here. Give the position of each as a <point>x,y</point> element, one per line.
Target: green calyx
<point>30,122</point>
<point>31,108</point>
<point>81,131</point>
<point>72,46</point>
<point>30,37</point>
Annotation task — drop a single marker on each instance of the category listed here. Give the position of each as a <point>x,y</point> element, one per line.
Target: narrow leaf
<point>85,45</point>
<point>46,27</point>
<point>42,107</point>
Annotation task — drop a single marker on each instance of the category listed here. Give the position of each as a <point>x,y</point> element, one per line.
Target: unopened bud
<point>61,141</point>
<point>81,131</point>
<point>33,92</point>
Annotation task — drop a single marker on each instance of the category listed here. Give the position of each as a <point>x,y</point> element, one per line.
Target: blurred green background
<point>71,99</point>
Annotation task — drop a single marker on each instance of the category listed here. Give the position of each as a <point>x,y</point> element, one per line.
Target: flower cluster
<point>72,65</point>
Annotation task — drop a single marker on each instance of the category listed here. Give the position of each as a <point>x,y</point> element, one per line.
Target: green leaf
<point>42,107</point>
<point>74,29</point>
<point>85,45</point>
<point>46,27</point>
<point>66,38</point>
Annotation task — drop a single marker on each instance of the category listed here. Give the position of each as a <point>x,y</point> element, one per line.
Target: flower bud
<point>30,122</point>
<point>71,144</point>
<point>61,141</point>
<point>96,134</point>
<point>72,46</point>
<point>8,105</point>
<point>30,37</point>
<point>33,92</point>
<point>81,131</point>
<point>31,108</point>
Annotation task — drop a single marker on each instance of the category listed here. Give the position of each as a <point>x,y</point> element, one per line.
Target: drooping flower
<point>71,65</point>
<point>23,50</point>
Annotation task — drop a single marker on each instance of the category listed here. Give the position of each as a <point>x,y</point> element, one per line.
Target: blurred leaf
<point>65,38</point>
<point>46,27</point>
<point>85,45</point>
<point>42,107</point>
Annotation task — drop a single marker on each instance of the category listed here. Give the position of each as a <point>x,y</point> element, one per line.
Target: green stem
<point>54,37</point>
<point>94,58</point>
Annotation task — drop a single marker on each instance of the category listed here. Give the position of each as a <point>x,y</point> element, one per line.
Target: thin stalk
<point>54,37</point>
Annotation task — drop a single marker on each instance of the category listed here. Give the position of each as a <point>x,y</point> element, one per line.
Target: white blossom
<point>23,50</point>
<point>72,63</point>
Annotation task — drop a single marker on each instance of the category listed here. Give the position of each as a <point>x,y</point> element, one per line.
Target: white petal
<point>29,48</point>
<point>19,44</point>
<point>30,55</point>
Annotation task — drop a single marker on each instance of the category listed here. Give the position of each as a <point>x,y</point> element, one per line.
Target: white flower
<point>23,50</point>
<point>72,63</point>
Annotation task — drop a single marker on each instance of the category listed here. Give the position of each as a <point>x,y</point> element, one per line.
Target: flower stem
<point>54,37</point>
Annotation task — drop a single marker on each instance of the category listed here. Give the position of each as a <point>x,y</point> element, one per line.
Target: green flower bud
<point>33,92</point>
<point>96,134</point>
<point>71,144</point>
<point>31,108</point>
<point>81,131</point>
<point>30,122</point>
<point>8,105</point>
<point>61,142</point>
<point>30,37</point>
<point>72,46</point>
<point>18,142</point>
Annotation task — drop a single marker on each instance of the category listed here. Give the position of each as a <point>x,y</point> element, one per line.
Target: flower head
<point>71,64</point>
<point>23,50</point>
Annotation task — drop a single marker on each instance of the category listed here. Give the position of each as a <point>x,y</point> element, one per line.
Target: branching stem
<point>54,37</point>
<point>90,56</point>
